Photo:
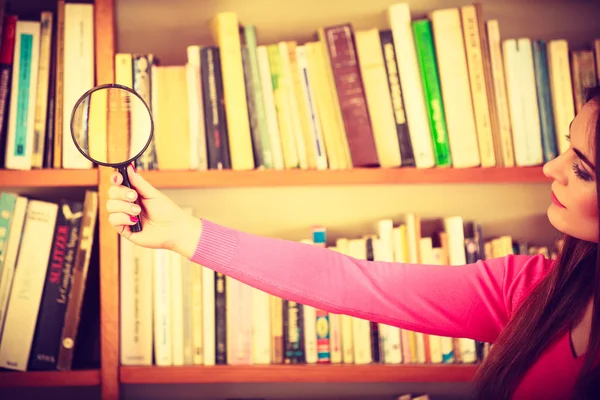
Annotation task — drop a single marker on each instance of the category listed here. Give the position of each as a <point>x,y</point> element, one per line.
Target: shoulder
<point>522,274</point>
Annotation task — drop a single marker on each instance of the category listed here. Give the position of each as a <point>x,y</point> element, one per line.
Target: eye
<point>581,173</point>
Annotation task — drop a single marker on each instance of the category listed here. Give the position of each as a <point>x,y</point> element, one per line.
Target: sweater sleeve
<point>471,301</point>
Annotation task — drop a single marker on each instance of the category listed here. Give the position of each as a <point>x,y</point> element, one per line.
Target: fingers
<point>122,193</point>
<point>118,219</point>
<point>122,206</point>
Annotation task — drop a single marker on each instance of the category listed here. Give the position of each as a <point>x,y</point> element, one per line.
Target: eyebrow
<point>584,159</point>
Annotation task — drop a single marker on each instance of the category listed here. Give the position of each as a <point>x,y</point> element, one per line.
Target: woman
<point>541,315</point>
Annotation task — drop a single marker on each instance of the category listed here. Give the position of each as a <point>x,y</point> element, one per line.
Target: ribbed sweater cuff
<point>217,246</point>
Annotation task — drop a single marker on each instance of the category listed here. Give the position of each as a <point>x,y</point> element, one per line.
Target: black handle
<point>137,227</point>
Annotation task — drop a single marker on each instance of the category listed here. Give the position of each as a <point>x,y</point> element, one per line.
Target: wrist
<point>186,236</point>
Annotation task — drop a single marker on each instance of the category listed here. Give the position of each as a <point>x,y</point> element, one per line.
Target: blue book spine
<point>544,98</point>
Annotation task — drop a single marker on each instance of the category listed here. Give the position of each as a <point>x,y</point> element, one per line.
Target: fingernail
<point>131,195</point>
<point>133,219</point>
<point>135,208</point>
<point>115,179</point>
<point>133,166</point>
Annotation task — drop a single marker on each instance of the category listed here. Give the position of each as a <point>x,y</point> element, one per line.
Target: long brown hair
<point>549,310</point>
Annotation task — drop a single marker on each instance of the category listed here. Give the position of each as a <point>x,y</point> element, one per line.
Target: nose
<point>557,169</point>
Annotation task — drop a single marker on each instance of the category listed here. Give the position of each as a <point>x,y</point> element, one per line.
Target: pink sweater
<point>472,301</point>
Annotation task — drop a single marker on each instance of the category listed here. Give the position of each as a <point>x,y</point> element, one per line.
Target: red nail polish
<point>133,219</point>
<point>133,166</point>
<point>115,179</point>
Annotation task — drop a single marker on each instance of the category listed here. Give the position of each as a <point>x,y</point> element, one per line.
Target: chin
<point>556,220</point>
<point>560,221</point>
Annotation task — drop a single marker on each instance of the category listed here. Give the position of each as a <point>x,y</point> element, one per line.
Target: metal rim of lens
<point>108,86</point>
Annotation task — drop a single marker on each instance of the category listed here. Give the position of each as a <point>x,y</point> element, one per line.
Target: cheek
<point>587,204</point>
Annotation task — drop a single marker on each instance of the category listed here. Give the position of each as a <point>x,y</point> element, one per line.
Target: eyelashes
<point>580,173</point>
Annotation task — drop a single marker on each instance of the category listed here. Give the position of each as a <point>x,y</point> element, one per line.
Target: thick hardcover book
<point>348,83</point>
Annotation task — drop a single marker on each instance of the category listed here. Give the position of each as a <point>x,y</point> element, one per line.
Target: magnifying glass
<point>112,126</point>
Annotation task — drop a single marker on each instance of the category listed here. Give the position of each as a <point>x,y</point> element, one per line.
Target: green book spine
<point>433,94</point>
<point>7,206</point>
<point>250,37</point>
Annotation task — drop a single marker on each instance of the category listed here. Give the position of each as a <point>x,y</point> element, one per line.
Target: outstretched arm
<point>471,301</point>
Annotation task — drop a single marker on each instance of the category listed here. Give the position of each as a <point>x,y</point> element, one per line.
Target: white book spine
<point>292,106</point>
<point>163,352</point>
<point>136,304</point>
<point>10,255</point>
<point>456,88</point>
<point>177,337</point>
<point>318,142</point>
<point>408,69</point>
<point>310,334</point>
<point>563,105</point>
<point>28,284</point>
<point>261,327</point>
<point>79,73</point>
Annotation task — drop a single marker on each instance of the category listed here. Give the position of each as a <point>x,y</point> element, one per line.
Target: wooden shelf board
<point>358,176</point>
<point>297,373</point>
<point>49,178</point>
<point>14,379</point>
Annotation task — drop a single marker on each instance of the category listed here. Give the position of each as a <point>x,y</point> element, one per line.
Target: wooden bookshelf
<point>119,28</point>
<point>49,178</point>
<point>13,379</point>
<point>298,374</point>
<point>358,176</point>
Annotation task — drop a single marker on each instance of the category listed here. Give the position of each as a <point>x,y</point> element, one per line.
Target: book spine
<point>348,83</point>
<point>255,129</point>
<point>544,99</point>
<point>432,91</point>
<point>142,84</point>
<point>57,288</point>
<point>6,65</point>
<point>41,103</point>
<point>257,93</point>
<point>28,284</point>
<point>79,280</point>
<point>220,319</point>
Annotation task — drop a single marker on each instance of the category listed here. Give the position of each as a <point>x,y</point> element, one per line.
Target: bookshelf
<point>119,28</point>
<point>49,178</point>
<point>357,176</point>
<point>298,374</point>
<point>11,380</point>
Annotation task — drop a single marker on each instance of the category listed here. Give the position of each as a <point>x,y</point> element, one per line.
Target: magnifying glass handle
<point>137,227</point>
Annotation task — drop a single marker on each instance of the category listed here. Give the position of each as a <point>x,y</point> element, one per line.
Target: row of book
<point>36,99</point>
<point>49,298</point>
<point>185,314</point>
<point>441,91</point>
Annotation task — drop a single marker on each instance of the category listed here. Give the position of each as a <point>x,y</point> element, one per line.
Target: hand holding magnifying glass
<point>128,119</point>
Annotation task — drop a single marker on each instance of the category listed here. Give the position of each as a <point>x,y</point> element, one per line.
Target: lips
<point>555,201</point>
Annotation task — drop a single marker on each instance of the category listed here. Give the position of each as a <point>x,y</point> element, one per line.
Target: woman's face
<point>574,206</point>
